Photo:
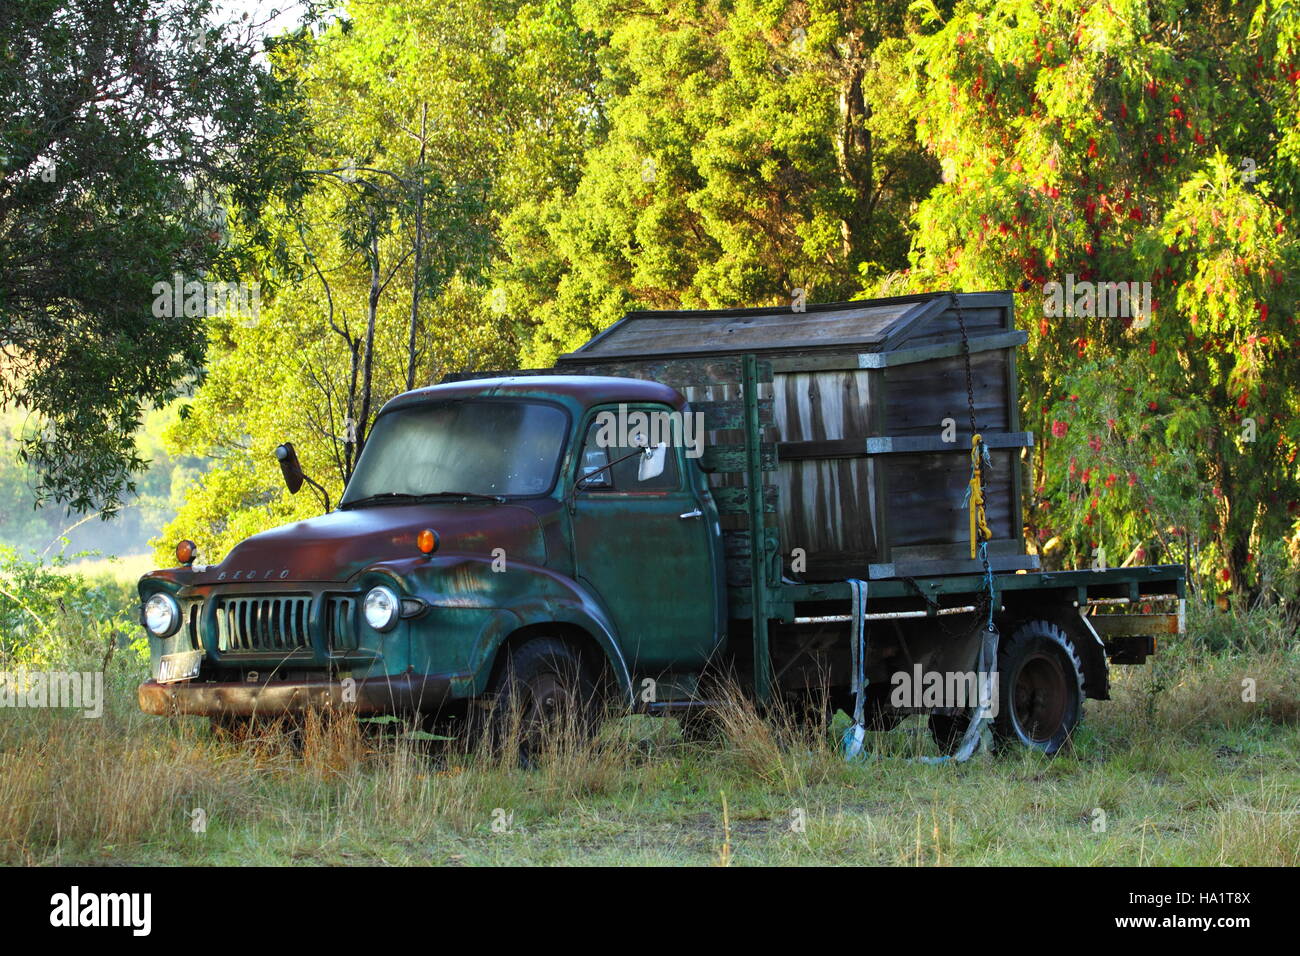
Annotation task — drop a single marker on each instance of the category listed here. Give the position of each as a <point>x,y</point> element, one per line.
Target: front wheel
<point>544,695</point>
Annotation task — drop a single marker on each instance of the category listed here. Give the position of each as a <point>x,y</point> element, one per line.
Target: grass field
<point>1177,769</point>
<point>127,567</point>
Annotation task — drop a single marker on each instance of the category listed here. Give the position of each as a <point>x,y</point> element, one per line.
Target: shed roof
<point>867,325</point>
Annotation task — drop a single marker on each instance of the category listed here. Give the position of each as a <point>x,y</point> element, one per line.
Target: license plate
<point>177,667</point>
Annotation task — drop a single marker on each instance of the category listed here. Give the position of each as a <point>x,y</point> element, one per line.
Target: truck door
<point>649,550</point>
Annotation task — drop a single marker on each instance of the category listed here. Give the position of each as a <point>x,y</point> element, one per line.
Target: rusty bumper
<point>402,693</point>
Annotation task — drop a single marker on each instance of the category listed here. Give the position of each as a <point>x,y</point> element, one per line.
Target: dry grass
<point>1181,769</point>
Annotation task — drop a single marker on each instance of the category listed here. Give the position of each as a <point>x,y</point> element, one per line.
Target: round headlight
<point>162,615</point>
<point>382,608</point>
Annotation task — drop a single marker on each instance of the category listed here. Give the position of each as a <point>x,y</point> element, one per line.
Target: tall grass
<point>1179,766</point>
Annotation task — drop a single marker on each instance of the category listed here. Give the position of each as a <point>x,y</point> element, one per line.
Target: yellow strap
<point>979,526</point>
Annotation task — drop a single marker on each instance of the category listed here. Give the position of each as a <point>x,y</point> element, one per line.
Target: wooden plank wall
<point>828,506</point>
<point>849,512</point>
<point>920,396</point>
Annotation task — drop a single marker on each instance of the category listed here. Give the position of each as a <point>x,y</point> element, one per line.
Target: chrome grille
<point>341,619</point>
<point>260,623</point>
<point>192,617</point>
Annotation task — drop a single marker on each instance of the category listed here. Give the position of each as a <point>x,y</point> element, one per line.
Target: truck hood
<point>335,546</point>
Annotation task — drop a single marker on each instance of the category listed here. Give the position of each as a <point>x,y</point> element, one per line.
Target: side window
<point>624,476</point>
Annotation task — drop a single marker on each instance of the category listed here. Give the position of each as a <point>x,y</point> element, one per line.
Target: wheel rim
<point>547,696</point>
<point>1040,697</point>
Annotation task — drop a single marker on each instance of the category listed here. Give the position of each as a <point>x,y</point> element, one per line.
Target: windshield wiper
<point>383,496</point>
<point>403,497</point>
<point>465,494</point>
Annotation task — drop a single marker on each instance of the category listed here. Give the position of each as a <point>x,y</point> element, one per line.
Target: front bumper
<point>402,693</point>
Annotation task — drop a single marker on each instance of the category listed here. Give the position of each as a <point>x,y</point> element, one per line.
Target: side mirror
<point>651,463</point>
<point>289,467</point>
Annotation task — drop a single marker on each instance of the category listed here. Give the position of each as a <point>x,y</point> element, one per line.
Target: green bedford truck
<point>781,498</point>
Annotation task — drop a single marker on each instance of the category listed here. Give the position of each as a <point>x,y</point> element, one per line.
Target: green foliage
<point>377,267</point>
<point>1096,143</point>
<point>127,126</point>
<point>1125,495</point>
<point>752,149</point>
<point>52,617</point>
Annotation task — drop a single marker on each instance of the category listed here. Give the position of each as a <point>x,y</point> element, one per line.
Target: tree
<point>423,126</point>
<point>753,149</point>
<point>1087,145</point>
<point>129,129</point>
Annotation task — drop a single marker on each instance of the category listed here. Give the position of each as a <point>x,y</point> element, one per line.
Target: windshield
<point>468,447</point>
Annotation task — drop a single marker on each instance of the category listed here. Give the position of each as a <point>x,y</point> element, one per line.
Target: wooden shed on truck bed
<point>867,412</point>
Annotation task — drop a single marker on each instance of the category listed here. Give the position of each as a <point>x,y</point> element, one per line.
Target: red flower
<point>1059,428</point>
<point>1151,349</point>
<point>1094,443</point>
<point>1152,405</point>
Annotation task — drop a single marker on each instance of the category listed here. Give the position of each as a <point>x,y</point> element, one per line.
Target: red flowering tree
<point>1089,149</point>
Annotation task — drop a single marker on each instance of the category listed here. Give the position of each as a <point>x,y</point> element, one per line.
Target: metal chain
<point>982,604</point>
<point>965,354</point>
<point>979,465</point>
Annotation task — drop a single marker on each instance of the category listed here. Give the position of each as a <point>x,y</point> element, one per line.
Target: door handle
<point>697,513</point>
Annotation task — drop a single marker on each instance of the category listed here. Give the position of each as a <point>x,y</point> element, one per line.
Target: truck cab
<point>482,517</point>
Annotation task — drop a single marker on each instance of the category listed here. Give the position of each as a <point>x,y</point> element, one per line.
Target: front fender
<point>477,602</point>
<point>577,609</point>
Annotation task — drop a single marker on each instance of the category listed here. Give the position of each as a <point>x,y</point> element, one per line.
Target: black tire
<point>543,687</point>
<point>1040,687</point>
<point>1040,693</point>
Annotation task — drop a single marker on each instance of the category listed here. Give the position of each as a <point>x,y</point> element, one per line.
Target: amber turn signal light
<point>427,541</point>
<point>186,552</point>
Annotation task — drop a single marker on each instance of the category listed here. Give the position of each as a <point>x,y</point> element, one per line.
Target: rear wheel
<point>1040,692</point>
<point>1040,687</point>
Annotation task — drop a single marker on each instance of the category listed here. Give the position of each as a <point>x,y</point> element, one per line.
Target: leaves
<point>123,142</point>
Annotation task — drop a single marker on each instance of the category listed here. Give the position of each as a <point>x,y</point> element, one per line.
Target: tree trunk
<point>853,149</point>
<point>419,253</point>
<point>368,356</point>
